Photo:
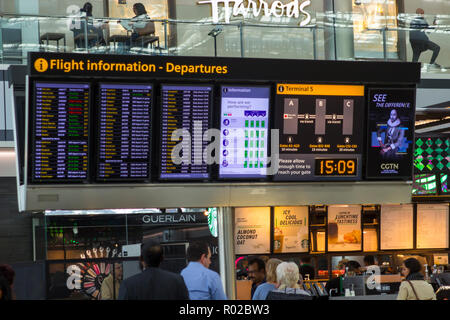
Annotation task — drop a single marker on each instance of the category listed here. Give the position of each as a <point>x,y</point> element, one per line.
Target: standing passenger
<point>202,283</point>
<point>419,40</point>
<point>153,283</point>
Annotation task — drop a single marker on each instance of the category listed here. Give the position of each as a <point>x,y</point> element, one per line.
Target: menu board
<point>432,226</point>
<point>390,133</point>
<point>344,228</point>
<point>291,229</point>
<point>244,127</point>
<point>187,108</point>
<point>396,229</point>
<point>320,136</point>
<point>60,142</point>
<point>252,230</point>
<point>124,132</point>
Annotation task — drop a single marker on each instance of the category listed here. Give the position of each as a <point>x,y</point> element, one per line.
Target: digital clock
<point>336,167</point>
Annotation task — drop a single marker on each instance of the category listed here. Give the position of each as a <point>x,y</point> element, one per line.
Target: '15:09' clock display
<point>335,167</point>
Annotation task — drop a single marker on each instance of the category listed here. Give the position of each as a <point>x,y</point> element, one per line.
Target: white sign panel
<point>396,227</point>
<point>252,230</point>
<point>432,226</point>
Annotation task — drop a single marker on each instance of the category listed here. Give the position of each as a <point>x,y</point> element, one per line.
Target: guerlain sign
<point>294,8</point>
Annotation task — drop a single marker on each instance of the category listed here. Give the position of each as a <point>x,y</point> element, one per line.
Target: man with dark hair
<point>153,283</point>
<point>202,283</point>
<point>419,40</point>
<point>306,269</point>
<point>256,273</point>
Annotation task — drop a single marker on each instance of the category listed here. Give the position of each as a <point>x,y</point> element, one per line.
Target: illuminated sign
<point>295,8</point>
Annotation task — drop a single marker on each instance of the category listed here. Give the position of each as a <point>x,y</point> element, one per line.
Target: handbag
<point>414,290</point>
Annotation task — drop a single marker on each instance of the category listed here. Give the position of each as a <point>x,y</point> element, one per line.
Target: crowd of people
<point>272,279</point>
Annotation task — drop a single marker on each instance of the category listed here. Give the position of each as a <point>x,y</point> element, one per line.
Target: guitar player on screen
<point>393,138</point>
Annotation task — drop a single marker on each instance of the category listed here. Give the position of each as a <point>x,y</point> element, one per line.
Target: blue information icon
<point>225,153</point>
<point>226,142</point>
<point>226,122</point>
<point>225,163</point>
<point>226,132</point>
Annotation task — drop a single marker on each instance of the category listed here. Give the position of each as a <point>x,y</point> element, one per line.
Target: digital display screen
<point>320,132</point>
<point>444,184</point>
<point>124,132</point>
<point>187,108</point>
<point>336,167</point>
<point>424,184</point>
<point>391,123</point>
<point>60,127</point>
<point>244,129</point>
<point>431,155</point>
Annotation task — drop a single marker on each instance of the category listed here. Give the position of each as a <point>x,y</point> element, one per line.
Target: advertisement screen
<point>244,129</point>
<point>391,130</point>
<point>320,132</point>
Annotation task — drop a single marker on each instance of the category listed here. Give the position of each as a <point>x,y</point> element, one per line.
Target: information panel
<point>60,148</point>
<point>184,107</point>
<point>124,132</point>
<point>396,230</point>
<point>319,126</point>
<point>252,230</point>
<point>244,126</point>
<point>391,129</point>
<point>344,228</point>
<point>432,226</point>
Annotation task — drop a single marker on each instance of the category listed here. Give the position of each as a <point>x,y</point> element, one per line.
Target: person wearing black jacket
<point>419,40</point>
<point>306,268</point>
<point>153,283</point>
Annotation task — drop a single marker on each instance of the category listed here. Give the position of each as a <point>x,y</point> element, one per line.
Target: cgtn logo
<point>390,166</point>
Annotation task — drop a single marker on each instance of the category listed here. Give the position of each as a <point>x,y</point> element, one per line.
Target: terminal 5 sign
<point>294,8</point>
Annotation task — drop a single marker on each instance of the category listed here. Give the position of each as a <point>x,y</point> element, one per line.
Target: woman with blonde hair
<point>288,281</point>
<point>271,280</point>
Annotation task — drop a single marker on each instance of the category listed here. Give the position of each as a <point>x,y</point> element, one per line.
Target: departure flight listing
<point>60,149</point>
<point>124,132</point>
<point>320,131</point>
<point>244,126</point>
<point>184,108</point>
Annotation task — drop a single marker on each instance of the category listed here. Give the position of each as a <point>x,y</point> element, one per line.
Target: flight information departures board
<point>184,107</point>
<point>321,132</point>
<point>60,134</point>
<point>124,132</point>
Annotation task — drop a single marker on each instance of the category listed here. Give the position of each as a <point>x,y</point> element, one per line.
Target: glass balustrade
<point>329,37</point>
